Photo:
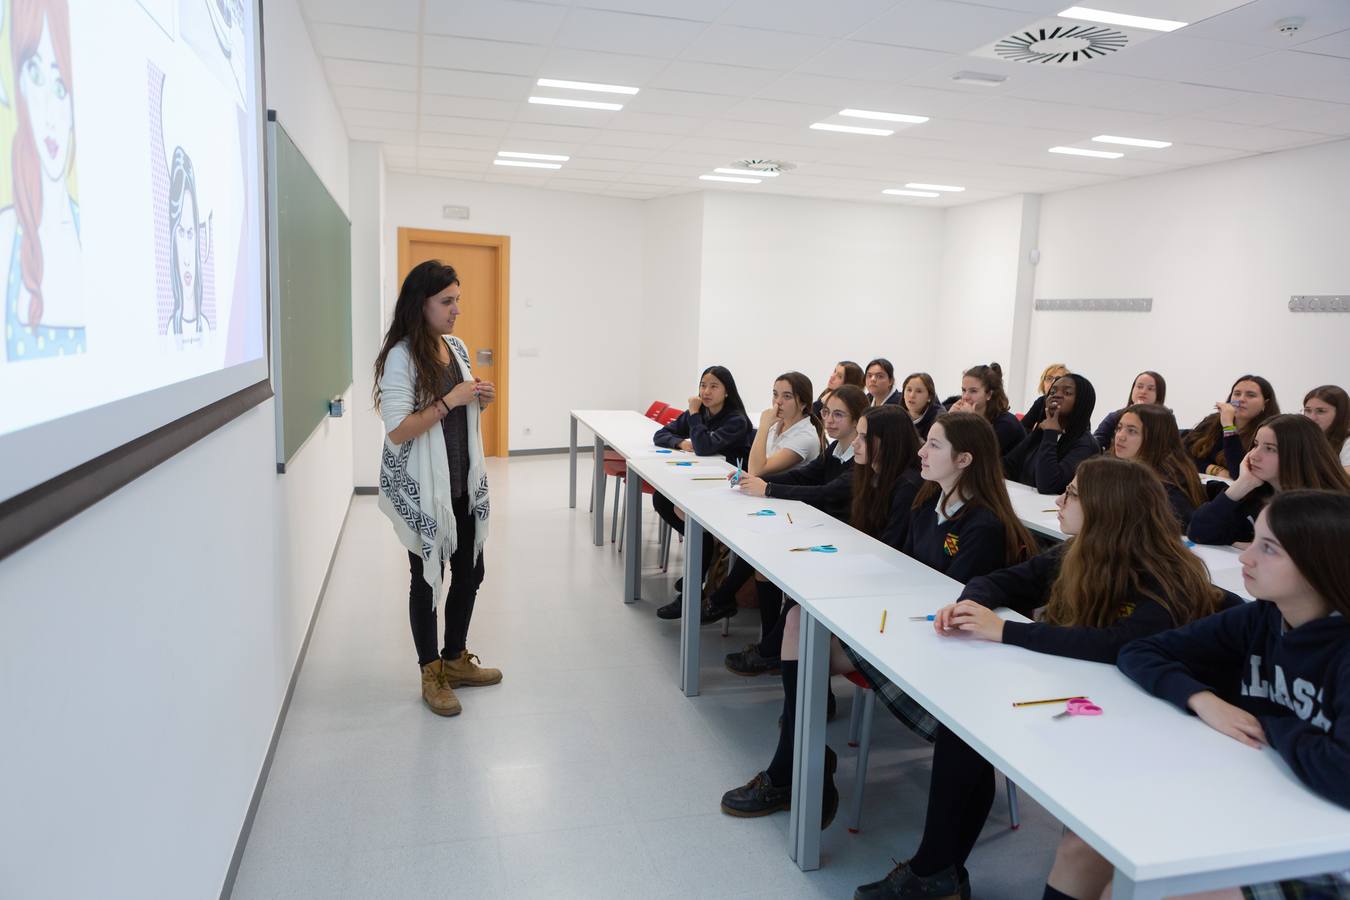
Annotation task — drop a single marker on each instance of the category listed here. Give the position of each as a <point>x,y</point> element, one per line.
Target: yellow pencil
<point>1051,700</point>
<point>883,621</point>
<point>789,515</point>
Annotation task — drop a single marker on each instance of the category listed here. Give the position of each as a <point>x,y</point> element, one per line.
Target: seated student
<point>982,393</point>
<point>1047,457</point>
<point>1231,670</point>
<point>1329,407</point>
<point>885,483</point>
<point>1033,416</point>
<point>845,372</point>
<point>1289,453</point>
<point>1096,594</point>
<point>1147,433</point>
<point>962,525</point>
<point>825,483</point>
<point>1222,438</point>
<point>881,389</point>
<point>714,425</point>
<point>921,401</point>
<point>789,435</point>
<point>1148,387</point>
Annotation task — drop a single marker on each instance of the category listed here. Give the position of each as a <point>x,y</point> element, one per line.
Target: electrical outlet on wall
<point>528,431</point>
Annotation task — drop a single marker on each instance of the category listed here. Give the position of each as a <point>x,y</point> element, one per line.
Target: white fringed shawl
<point>415,475</point>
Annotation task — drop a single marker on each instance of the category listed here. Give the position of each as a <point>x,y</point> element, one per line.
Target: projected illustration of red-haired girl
<point>40,230</point>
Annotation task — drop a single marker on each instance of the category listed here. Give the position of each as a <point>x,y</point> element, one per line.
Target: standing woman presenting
<point>433,484</point>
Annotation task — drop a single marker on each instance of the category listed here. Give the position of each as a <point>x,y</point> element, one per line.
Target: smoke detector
<point>770,167</point>
<point>1290,26</point>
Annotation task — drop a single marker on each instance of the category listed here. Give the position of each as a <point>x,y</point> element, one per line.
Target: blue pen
<point>922,618</point>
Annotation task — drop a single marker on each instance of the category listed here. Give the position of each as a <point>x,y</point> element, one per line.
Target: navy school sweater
<point>1296,682</point>
<point>1106,429</point>
<point>930,415</point>
<point>1048,464</point>
<point>727,434</point>
<point>896,529</point>
<point>1224,520</point>
<point>970,543</point>
<point>1008,430</point>
<point>1227,452</point>
<point>1034,415</point>
<point>1026,587</point>
<point>825,482</point>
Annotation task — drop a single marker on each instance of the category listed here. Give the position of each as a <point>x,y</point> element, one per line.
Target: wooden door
<point>483,263</point>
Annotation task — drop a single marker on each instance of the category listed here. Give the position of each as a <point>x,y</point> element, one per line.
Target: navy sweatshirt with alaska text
<point>1296,682</point>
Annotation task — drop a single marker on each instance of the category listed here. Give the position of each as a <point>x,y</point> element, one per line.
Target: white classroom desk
<point>1175,806</point>
<point>622,429</point>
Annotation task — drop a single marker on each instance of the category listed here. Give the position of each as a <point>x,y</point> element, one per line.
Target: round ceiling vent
<point>1062,44</point>
<point>775,166</point>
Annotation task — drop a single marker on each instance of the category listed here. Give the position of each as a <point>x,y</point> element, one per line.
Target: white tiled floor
<point>586,773</point>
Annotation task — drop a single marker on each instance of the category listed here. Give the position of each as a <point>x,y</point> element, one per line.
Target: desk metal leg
<point>632,537</point>
<point>598,508</point>
<point>808,741</point>
<point>693,606</point>
<point>1125,889</point>
<point>572,461</point>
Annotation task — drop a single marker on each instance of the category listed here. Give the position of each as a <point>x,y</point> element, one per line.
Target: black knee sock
<point>770,608</point>
<point>725,595</point>
<point>780,769</point>
<point>771,643</point>
<point>1052,894</point>
<point>959,797</point>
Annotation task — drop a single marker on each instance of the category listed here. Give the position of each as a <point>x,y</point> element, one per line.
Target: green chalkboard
<point>311,293</point>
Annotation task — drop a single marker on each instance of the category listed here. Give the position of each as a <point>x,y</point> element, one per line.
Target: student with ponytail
<point>982,393</point>
<point>1289,453</point>
<point>885,482</point>
<point>1329,407</point>
<point>1147,433</point>
<point>1148,387</point>
<point>1096,594</point>
<point>789,433</point>
<point>1047,457</point>
<point>1218,443</point>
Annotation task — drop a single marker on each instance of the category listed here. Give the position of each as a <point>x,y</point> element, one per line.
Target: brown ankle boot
<point>464,670</point>
<point>436,691</point>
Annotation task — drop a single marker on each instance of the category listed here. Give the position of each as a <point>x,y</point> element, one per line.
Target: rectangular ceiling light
<point>526,164</point>
<point>731,178</point>
<point>1106,17</point>
<point>580,104</point>
<point>851,129</point>
<point>897,192</point>
<point>586,86</point>
<point>883,116</point>
<point>547,157</point>
<point>1131,142</point>
<point>747,173</point>
<point>935,187</point>
<point>1074,151</point>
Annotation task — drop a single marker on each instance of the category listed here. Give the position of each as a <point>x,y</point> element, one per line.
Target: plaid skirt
<point>902,705</point>
<point>1319,887</point>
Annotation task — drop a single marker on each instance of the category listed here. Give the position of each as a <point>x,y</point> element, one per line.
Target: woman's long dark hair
<point>1340,426</point>
<point>733,402</point>
<point>892,450</point>
<point>409,323</point>
<point>1159,382</point>
<point>801,390</point>
<point>1203,439</point>
<point>1314,529</point>
<point>1305,458</point>
<point>853,374</point>
<point>1161,449</point>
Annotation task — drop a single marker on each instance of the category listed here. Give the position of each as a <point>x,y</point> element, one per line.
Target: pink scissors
<point>1079,706</point>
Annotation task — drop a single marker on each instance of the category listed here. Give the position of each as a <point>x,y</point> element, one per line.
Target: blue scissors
<point>665,451</point>
<point>818,548</point>
<point>763,512</point>
<point>679,463</point>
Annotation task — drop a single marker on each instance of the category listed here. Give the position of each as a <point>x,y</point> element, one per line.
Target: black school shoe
<point>672,610</point>
<point>718,613</point>
<point>952,883</point>
<point>748,662</point>
<point>761,797</point>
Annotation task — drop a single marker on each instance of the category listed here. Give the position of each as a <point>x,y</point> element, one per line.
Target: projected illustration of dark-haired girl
<point>40,228</point>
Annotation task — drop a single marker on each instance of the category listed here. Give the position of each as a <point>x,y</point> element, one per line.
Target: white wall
<point>576,292</point>
<point>146,645</point>
<point>793,283</point>
<point>368,263</point>
<point>1220,249</point>
<point>672,266</point>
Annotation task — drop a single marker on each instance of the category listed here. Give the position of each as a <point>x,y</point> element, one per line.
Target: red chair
<point>860,736</point>
<point>668,415</point>
<point>656,409</point>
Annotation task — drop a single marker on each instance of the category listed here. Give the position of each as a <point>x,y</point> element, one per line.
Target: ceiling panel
<point>373,44</point>
<point>495,20</point>
<point>349,97</point>
<point>399,14</point>
<point>833,19</point>
<point>695,10</point>
<point>370,74</point>
<point>444,52</point>
<point>615,32</point>
<point>1254,23</point>
<point>711,78</point>
<point>610,68</point>
<point>732,45</point>
<point>873,62</point>
<point>940,25</point>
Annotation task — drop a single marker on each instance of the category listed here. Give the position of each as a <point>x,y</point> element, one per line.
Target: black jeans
<point>666,510</point>
<point>465,577</point>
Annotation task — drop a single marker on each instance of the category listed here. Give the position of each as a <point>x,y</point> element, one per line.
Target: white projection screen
<point>131,240</point>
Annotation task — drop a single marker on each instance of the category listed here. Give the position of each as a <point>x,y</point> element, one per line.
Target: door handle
<point>484,357</point>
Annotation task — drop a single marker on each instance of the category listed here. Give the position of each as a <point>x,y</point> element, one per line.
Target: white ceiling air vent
<point>1063,42</point>
<point>764,166</point>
